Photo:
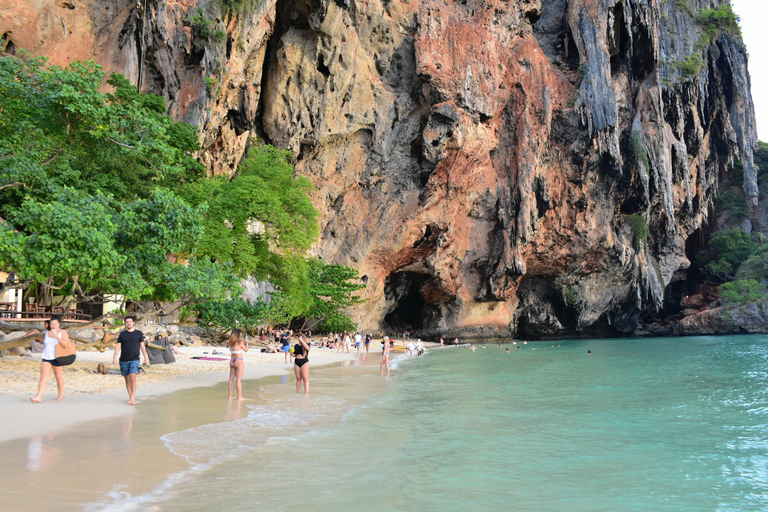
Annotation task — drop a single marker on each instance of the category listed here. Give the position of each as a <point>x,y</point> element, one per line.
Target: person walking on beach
<point>358,341</point>
<point>347,342</point>
<point>368,338</point>
<point>55,335</point>
<point>237,347</point>
<point>300,357</point>
<point>130,347</point>
<point>285,341</point>
<point>386,353</point>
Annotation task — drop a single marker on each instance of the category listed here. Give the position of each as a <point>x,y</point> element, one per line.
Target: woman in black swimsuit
<point>300,357</point>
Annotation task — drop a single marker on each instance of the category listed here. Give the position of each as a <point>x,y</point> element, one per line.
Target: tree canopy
<point>101,194</point>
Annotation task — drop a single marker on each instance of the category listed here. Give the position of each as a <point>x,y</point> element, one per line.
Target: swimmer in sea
<point>507,350</point>
<point>589,352</point>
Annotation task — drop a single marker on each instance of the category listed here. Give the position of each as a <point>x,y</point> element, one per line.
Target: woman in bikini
<point>300,357</point>
<point>237,347</point>
<point>386,352</point>
<point>54,336</point>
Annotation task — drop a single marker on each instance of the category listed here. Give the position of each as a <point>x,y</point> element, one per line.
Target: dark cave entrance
<point>410,310</point>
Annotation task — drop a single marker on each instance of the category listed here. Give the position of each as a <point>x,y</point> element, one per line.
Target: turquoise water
<point>641,425</point>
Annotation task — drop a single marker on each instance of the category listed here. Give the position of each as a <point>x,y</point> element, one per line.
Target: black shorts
<point>52,362</point>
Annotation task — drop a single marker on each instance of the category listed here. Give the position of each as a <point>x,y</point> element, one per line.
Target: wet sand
<point>121,458</point>
<point>90,396</point>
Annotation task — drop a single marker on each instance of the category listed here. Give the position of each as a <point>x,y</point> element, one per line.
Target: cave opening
<point>322,67</point>
<point>409,309</point>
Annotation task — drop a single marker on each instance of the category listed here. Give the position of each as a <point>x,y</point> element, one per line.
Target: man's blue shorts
<point>128,367</point>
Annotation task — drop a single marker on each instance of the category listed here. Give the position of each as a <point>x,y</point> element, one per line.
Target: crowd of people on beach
<point>131,346</point>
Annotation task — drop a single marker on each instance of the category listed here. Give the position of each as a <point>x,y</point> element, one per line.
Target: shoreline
<point>97,397</point>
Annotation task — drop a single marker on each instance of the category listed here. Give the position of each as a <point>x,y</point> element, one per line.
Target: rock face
<point>491,167</point>
<point>747,319</point>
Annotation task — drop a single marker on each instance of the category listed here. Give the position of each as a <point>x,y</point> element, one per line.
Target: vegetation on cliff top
<point>713,22</point>
<point>101,195</point>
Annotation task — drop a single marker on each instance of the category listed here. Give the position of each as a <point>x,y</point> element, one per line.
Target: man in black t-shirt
<point>285,341</point>
<point>130,346</point>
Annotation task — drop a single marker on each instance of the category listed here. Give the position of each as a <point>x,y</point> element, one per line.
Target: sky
<point>754,16</point>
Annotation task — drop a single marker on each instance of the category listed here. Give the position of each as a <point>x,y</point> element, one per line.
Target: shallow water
<point>672,424</point>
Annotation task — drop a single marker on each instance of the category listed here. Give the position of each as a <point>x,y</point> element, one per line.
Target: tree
<point>63,244</point>
<point>725,252</point>
<point>224,315</point>
<point>741,292</point>
<point>333,289</point>
<point>57,129</point>
<point>263,222</point>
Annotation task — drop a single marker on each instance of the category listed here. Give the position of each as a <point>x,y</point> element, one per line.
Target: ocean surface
<point>667,424</point>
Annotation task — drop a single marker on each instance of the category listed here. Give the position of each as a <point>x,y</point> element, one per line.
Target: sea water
<point>667,424</point>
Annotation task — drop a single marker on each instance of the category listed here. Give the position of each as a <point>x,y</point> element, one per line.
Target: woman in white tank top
<point>54,336</point>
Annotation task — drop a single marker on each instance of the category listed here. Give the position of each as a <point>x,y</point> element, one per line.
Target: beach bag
<point>66,356</point>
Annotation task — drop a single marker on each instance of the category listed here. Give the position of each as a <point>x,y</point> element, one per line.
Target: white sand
<point>89,396</point>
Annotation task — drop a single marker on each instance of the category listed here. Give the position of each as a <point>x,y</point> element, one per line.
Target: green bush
<point>713,22</point>
<point>717,20</point>
<point>761,158</point>
<point>639,225</point>
<point>755,267</point>
<point>204,30</point>
<point>741,292</point>
<point>690,66</point>
<point>638,151</point>
<point>210,85</point>
<point>727,250</point>
<point>733,201</point>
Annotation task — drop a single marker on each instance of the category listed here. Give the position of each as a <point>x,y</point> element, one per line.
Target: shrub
<point>755,267</point>
<point>733,201</point>
<point>210,85</point>
<point>204,30</point>
<point>727,250</point>
<point>742,291</point>
<point>717,20</point>
<point>639,225</point>
<point>690,66</point>
<point>638,151</point>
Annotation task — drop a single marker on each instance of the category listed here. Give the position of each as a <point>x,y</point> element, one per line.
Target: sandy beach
<point>90,396</point>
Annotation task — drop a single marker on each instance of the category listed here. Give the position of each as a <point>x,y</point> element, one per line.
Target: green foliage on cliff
<point>725,252</point>
<point>639,226</point>
<point>638,151</point>
<point>713,22</point>
<point>204,30</point>
<point>690,66</point>
<point>718,20</point>
<point>741,292</point>
<point>756,266</point>
<point>734,202</point>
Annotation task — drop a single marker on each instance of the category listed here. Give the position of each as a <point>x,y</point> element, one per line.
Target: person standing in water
<point>130,346</point>
<point>386,353</point>
<point>368,338</point>
<point>237,348</point>
<point>300,357</point>
<point>55,335</point>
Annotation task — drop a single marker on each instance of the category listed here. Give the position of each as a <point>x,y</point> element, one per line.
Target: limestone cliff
<point>492,167</point>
